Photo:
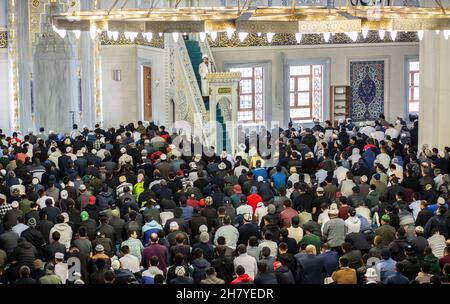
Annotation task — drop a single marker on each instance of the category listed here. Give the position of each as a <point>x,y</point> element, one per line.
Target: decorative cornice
<point>224,76</point>
<point>3,39</point>
<point>307,39</point>
<point>156,42</point>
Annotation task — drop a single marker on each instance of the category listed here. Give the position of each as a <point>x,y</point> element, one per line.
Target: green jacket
<point>434,263</point>
<point>50,279</point>
<point>312,239</point>
<point>373,198</point>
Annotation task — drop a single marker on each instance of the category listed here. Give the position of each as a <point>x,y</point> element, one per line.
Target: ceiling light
<point>213,36</point>
<point>298,37</point>
<point>175,36</point>
<point>326,37</point>
<point>446,34</point>
<point>202,36</point>
<point>131,35</point>
<point>393,35</point>
<point>352,35</point>
<point>242,36</point>
<point>420,34</point>
<point>148,36</point>
<point>230,33</point>
<point>365,32</point>
<point>93,31</point>
<point>77,34</point>
<point>61,33</point>
<point>382,33</point>
<point>270,37</point>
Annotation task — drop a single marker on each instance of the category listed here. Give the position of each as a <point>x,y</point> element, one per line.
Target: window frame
<point>253,109</point>
<point>408,82</point>
<point>267,87</point>
<point>325,94</point>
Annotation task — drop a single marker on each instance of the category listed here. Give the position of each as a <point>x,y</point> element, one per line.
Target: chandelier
<point>298,20</point>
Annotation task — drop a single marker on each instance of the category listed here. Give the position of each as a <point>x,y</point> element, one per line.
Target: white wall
<point>120,99</point>
<point>4,91</point>
<point>155,59</point>
<point>339,56</point>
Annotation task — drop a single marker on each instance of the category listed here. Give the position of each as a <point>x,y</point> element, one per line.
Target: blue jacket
<point>309,269</point>
<point>330,262</point>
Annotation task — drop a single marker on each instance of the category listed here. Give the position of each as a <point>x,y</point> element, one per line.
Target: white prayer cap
<point>205,56</point>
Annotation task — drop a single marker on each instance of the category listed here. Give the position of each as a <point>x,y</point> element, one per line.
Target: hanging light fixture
<point>213,36</point>
<point>230,33</point>
<point>382,34</point>
<point>93,31</point>
<point>160,34</point>
<point>326,37</point>
<point>298,37</point>
<point>202,36</point>
<point>242,36</point>
<point>131,35</point>
<point>365,32</point>
<point>175,36</point>
<point>446,34</point>
<point>393,35</point>
<point>438,32</point>
<point>270,37</point>
<point>61,33</point>
<point>420,34</point>
<point>148,36</point>
<point>109,34</point>
<point>352,35</point>
<point>77,34</point>
<point>259,34</point>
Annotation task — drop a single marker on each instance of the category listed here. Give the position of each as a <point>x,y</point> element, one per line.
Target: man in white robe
<point>205,68</point>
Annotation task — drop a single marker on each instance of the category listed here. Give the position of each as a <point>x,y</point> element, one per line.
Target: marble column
<point>55,74</point>
<point>24,64</point>
<point>3,14</point>
<point>87,72</point>
<point>434,91</point>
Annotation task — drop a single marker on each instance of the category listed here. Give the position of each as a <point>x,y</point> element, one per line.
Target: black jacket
<point>245,232</point>
<point>25,254</point>
<point>44,226</point>
<point>284,275</point>
<point>119,229</point>
<point>423,217</point>
<point>36,238</point>
<point>397,248</point>
<point>224,268</point>
<point>265,278</point>
<point>412,267</point>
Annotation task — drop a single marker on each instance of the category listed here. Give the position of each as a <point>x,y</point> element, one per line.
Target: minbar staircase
<point>195,54</point>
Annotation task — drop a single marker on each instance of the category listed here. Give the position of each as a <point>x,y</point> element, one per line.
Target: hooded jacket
<point>66,234</point>
<point>104,200</point>
<point>353,224</point>
<point>199,266</point>
<point>434,263</point>
<point>412,267</point>
<point>284,275</point>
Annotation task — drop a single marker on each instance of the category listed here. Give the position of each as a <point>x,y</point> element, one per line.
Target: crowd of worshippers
<point>355,203</point>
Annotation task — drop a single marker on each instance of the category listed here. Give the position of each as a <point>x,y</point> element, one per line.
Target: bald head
<point>311,250</point>
<point>154,238</point>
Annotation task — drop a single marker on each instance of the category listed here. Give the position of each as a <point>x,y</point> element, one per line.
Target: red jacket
<point>245,278</point>
<point>253,200</point>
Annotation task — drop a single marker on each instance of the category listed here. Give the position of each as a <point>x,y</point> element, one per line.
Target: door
<point>148,115</point>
